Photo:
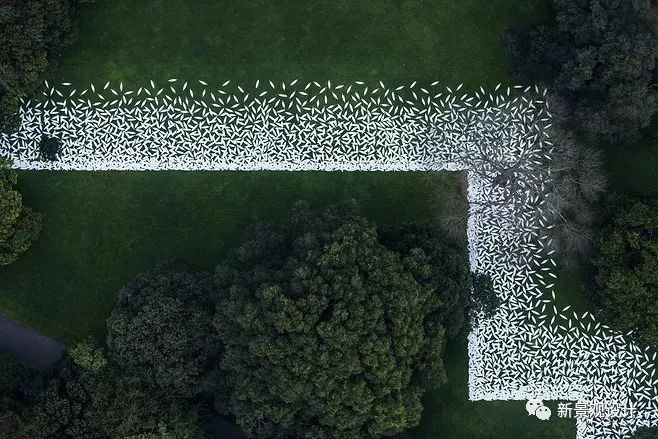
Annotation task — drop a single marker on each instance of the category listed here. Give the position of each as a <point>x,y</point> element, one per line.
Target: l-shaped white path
<point>530,349</point>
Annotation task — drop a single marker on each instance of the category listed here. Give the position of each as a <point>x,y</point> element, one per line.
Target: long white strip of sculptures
<point>531,349</point>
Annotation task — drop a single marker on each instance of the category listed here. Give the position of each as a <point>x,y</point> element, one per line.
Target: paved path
<point>29,346</point>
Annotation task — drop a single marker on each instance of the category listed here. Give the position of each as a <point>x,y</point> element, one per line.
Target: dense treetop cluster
<point>33,32</point>
<point>626,268</point>
<point>598,57</point>
<point>326,326</point>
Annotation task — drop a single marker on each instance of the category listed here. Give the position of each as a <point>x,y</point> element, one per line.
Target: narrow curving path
<point>29,346</point>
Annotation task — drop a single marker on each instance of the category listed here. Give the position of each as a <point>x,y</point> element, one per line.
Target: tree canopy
<point>50,148</point>
<point>161,328</point>
<point>485,299</point>
<point>19,225</point>
<point>78,403</point>
<point>445,269</point>
<point>32,33</point>
<point>326,332</point>
<point>143,384</point>
<point>627,269</point>
<point>597,55</point>
<point>13,381</point>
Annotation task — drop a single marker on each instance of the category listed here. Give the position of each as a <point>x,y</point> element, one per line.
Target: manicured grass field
<point>101,229</point>
<point>453,41</point>
<point>138,40</point>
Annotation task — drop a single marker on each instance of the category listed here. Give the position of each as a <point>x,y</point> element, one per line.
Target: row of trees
<point>327,326</point>
<point>33,32</point>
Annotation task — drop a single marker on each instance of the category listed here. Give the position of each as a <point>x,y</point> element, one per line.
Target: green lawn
<point>106,222</point>
<point>101,229</point>
<point>138,40</point>
<point>342,40</point>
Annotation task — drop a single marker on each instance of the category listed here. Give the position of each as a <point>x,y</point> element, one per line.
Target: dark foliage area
<point>599,57</point>
<point>327,332</point>
<point>33,32</point>
<point>448,275</point>
<point>14,379</point>
<point>50,149</point>
<point>141,385</point>
<point>161,329</point>
<point>78,403</point>
<point>19,225</point>
<point>626,261</point>
<point>485,299</point>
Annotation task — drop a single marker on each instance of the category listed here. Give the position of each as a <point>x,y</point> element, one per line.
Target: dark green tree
<point>597,55</point>
<point>161,329</point>
<point>145,386</point>
<point>18,384</point>
<point>50,149</point>
<point>19,225</point>
<point>627,269</point>
<point>485,299</point>
<point>13,375</point>
<point>326,332</point>
<point>444,269</point>
<point>32,33</point>
<point>77,403</point>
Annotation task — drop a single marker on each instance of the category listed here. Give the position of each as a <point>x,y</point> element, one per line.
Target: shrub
<point>32,33</point>
<point>50,149</point>
<point>19,225</point>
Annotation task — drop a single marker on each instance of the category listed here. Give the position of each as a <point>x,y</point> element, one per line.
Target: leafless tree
<point>551,184</point>
<point>577,183</point>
